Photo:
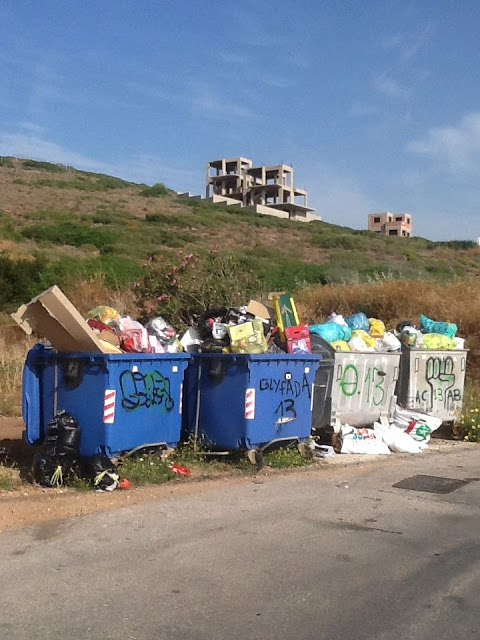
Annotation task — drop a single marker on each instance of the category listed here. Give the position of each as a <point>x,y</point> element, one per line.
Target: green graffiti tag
<point>373,384</point>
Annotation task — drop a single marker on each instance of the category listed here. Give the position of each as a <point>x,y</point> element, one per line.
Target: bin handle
<point>396,371</point>
<point>417,364</point>
<point>339,372</point>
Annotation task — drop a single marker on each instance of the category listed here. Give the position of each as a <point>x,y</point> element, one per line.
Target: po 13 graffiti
<point>373,384</point>
<point>150,389</point>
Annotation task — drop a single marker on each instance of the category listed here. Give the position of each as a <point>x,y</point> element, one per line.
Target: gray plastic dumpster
<point>362,387</point>
<point>432,381</point>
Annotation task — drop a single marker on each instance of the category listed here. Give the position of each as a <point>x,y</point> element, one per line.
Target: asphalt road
<point>330,553</point>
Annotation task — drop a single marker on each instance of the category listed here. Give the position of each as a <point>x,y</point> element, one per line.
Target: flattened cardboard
<point>258,309</point>
<point>52,316</point>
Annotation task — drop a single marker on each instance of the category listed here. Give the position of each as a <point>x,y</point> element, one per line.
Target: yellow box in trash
<point>248,337</point>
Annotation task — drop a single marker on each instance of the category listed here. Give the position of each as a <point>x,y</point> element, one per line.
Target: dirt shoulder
<point>26,504</point>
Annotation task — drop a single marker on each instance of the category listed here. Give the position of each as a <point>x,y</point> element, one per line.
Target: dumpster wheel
<point>256,458</point>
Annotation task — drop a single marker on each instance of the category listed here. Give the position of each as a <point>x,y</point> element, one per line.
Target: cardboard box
<point>51,315</point>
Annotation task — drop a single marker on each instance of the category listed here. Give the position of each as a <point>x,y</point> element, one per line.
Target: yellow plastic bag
<point>340,345</point>
<point>377,328</point>
<point>366,337</point>
<point>437,341</point>
<point>107,315</point>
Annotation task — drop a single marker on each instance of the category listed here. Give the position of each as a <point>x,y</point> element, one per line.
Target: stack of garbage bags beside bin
<point>240,379</point>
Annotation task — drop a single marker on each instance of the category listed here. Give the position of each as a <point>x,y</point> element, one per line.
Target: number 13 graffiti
<point>374,384</point>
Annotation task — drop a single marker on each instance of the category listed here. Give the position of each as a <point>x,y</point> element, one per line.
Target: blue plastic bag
<point>448,329</point>
<point>331,331</point>
<point>358,321</point>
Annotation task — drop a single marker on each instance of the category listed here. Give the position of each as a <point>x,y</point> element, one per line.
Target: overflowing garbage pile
<point>248,329</point>
<point>430,334</point>
<point>361,334</point>
<point>356,333</point>
<point>122,334</point>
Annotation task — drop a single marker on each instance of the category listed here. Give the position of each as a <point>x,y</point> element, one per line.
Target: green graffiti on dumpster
<point>373,384</point>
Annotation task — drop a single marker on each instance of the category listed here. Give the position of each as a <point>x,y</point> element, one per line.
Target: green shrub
<point>183,287</point>
<point>156,191</point>
<point>70,234</point>
<point>337,241</point>
<point>20,280</point>
<point>164,218</point>
<point>45,166</point>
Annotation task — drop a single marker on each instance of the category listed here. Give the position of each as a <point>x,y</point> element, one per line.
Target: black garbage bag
<point>63,435</point>
<point>206,320</point>
<point>101,472</point>
<point>52,470</point>
<point>57,464</point>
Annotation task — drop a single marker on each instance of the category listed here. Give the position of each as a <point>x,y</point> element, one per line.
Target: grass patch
<point>84,183</point>
<point>45,166</point>
<point>70,234</point>
<point>7,481</point>
<point>468,423</point>
<point>286,458</point>
<point>164,218</point>
<point>7,161</point>
<point>156,191</point>
<point>146,470</point>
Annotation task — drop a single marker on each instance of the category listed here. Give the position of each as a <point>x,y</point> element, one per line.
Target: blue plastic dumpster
<point>121,401</point>
<point>241,402</point>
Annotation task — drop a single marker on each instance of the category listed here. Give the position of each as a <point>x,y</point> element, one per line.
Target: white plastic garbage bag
<point>418,425</point>
<point>397,440</point>
<point>361,441</point>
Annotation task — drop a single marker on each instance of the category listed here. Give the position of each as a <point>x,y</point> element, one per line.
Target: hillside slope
<point>71,224</point>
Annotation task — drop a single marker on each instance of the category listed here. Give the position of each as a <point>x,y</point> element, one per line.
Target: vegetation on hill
<point>60,225</point>
<point>106,240</point>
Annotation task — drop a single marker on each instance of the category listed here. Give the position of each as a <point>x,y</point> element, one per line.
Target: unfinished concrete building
<point>267,189</point>
<point>391,224</point>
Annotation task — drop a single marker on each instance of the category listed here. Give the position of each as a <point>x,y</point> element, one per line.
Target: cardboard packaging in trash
<point>53,316</point>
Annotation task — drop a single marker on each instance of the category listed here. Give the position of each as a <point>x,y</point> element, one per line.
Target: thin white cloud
<point>142,168</point>
<point>409,45</point>
<point>36,148</point>
<point>390,88</point>
<point>457,148</point>
<point>213,104</point>
<point>150,169</point>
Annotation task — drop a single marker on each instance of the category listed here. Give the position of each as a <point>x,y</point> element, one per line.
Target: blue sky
<point>376,104</point>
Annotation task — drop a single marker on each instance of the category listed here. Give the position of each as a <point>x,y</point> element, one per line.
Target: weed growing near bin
<point>468,423</point>
<point>146,470</point>
<point>286,458</point>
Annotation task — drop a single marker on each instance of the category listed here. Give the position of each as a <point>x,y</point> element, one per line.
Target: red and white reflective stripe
<point>181,398</point>
<point>250,404</point>
<point>109,406</point>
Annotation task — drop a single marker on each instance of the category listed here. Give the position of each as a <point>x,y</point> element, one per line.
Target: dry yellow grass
<point>396,300</point>
<point>13,351</point>
<point>88,294</point>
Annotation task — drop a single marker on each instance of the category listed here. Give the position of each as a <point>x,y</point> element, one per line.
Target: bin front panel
<point>257,399</point>
<point>433,381</point>
<point>121,402</point>
<point>142,402</point>
<point>363,387</point>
